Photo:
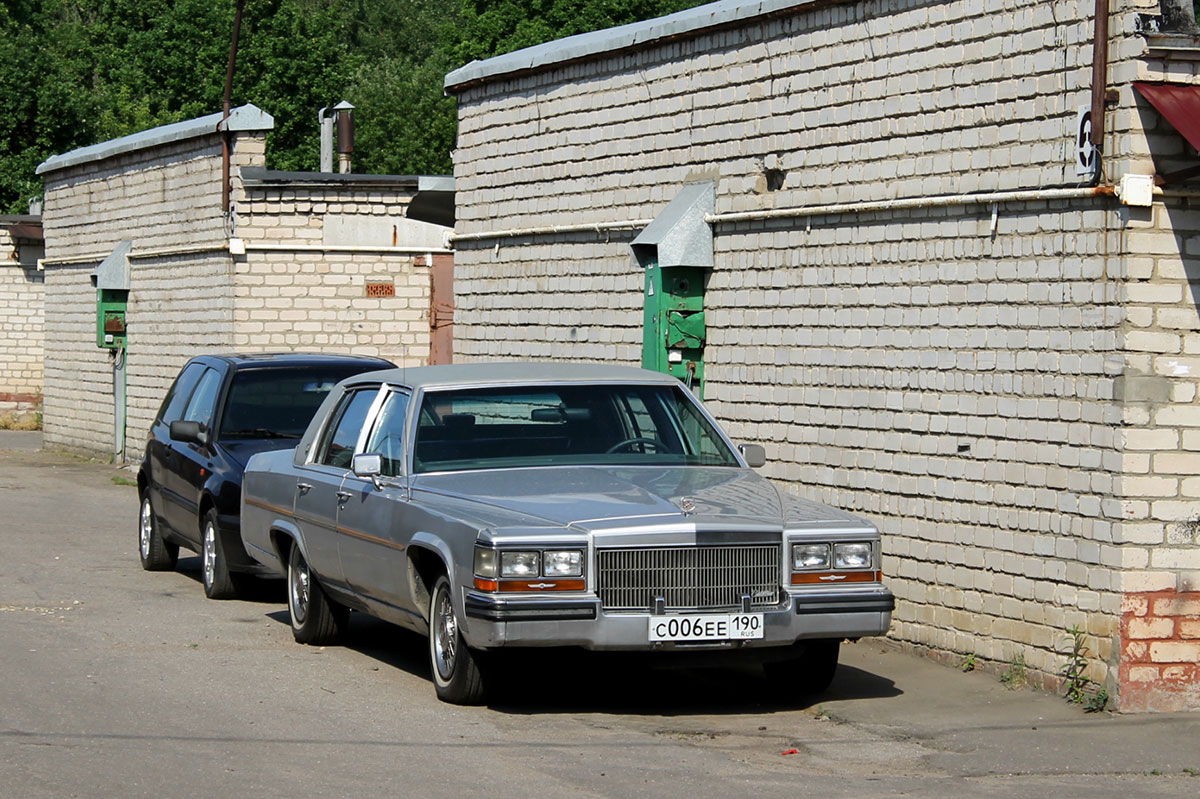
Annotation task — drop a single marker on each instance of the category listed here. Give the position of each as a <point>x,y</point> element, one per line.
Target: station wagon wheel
<point>218,583</point>
<point>629,442</point>
<point>315,619</point>
<point>807,675</point>
<point>155,553</point>
<point>457,676</point>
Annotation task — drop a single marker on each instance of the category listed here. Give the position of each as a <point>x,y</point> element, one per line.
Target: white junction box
<point>1137,190</point>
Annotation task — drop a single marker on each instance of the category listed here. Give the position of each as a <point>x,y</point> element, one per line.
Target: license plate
<point>707,627</point>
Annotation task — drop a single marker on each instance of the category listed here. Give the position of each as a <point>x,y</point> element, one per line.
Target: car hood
<point>241,449</point>
<point>598,497</point>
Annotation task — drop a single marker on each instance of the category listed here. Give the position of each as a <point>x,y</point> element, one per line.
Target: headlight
<point>485,563</point>
<point>564,563</point>
<point>519,564</point>
<point>810,556</point>
<point>851,556</point>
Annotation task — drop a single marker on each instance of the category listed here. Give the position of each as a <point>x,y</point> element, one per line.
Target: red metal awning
<point>24,226</point>
<point>25,231</point>
<point>1179,103</point>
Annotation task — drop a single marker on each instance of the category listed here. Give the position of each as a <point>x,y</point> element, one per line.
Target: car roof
<point>514,373</point>
<point>256,360</point>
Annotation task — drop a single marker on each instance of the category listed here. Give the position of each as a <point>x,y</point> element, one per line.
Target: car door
<point>190,462</point>
<point>371,523</point>
<point>319,483</point>
<point>160,454</point>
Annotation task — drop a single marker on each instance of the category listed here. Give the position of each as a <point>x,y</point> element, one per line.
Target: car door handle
<point>304,488</point>
<point>343,496</point>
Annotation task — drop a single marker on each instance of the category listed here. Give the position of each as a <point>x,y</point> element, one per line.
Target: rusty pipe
<point>864,207</point>
<point>1099,85</point>
<point>225,145</point>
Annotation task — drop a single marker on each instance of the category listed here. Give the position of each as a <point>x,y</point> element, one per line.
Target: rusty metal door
<point>441,309</point>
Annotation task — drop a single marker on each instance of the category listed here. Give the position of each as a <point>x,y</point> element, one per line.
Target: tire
<point>457,675</point>
<point>315,619</point>
<point>156,554</point>
<point>808,675</point>
<point>218,583</point>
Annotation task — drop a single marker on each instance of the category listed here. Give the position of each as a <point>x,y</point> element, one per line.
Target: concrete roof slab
<point>690,22</point>
<point>246,117</point>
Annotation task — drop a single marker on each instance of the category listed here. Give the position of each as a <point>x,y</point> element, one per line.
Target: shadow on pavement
<point>544,681</point>
<point>252,589</point>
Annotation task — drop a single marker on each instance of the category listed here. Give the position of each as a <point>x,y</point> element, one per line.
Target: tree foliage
<point>76,72</point>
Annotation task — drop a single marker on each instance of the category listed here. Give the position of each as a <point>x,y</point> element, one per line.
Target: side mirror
<point>754,454</point>
<point>368,465</point>
<point>189,432</point>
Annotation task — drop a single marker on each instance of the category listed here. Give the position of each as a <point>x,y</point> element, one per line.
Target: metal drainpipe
<point>1099,86</point>
<point>120,403</point>
<point>939,201</point>
<point>237,28</point>
<point>585,227</point>
<point>934,201</point>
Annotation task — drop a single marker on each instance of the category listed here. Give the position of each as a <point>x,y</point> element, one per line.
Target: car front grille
<point>689,578</point>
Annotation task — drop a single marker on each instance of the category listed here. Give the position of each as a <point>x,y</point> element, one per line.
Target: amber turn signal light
<point>835,578</point>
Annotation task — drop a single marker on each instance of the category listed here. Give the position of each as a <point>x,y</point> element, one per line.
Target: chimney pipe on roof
<point>325,124</point>
<point>225,145</point>
<point>343,114</point>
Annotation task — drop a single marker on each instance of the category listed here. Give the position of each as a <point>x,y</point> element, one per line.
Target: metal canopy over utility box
<point>676,250</point>
<point>111,279</point>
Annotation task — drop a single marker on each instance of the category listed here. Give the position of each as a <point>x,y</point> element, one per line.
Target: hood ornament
<point>687,505</point>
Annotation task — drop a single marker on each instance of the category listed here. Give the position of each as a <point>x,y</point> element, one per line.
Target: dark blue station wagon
<point>220,410</point>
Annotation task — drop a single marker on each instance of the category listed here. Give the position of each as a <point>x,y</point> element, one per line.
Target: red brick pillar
<point>1160,651</point>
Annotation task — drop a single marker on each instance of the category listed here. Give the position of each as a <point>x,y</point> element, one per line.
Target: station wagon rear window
<point>513,427</point>
<point>277,402</point>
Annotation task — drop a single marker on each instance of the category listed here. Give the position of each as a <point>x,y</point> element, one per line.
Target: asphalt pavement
<point>120,682</point>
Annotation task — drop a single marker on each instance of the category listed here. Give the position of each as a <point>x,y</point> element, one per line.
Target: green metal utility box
<point>673,323</point>
<point>111,279</point>
<point>676,251</point>
<point>110,318</point>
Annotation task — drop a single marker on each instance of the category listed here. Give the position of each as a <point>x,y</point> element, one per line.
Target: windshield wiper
<point>257,432</point>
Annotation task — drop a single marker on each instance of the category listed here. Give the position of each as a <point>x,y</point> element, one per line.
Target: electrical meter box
<point>110,318</point>
<point>673,324</point>
<point>676,252</point>
<point>111,279</point>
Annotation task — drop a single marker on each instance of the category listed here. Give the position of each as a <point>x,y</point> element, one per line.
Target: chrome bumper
<point>493,621</point>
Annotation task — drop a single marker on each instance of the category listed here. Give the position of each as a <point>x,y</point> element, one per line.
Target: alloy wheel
<point>210,554</point>
<point>445,638</point>
<point>145,529</point>
<point>298,590</point>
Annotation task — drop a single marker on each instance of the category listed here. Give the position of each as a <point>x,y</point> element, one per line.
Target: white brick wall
<point>317,300</point>
<point>160,198</point>
<point>21,292</point>
<point>179,307</point>
<point>169,198</point>
<point>1012,407</point>
<point>78,405</point>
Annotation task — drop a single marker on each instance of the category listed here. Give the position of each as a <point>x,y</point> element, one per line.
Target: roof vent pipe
<point>343,114</point>
<point>225,144</point>
<point>1099,86</point>
<point>325,124</point>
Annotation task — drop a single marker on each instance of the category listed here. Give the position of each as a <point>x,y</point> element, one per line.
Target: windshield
<point>564,425</point>
<point>276,403</point>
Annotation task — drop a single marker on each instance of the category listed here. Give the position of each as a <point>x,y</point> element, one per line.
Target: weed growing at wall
<point>23,419</point>
<point>20,420</point>
<point>1014,676</point>
<point>1080,689</point>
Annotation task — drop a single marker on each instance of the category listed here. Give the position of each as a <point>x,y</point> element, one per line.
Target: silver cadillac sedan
<point>491,506</point>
